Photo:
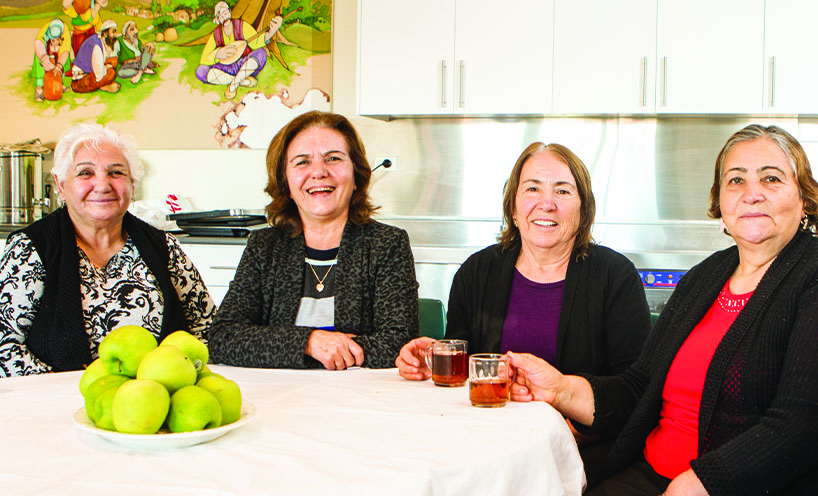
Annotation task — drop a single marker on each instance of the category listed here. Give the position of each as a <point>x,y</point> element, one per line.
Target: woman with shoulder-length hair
<point>90,266</point>
<point>723,399</point>
<point>325,286</point>
<point>546,288</point>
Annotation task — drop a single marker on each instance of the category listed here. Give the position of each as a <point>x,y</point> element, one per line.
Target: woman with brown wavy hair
<point>325,286</point>
<point>546,288</point>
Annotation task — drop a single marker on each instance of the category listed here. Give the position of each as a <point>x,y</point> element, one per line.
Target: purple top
<point>532,318</point>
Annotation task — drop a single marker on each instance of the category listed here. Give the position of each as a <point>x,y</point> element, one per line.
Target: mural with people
<point>197,72</point>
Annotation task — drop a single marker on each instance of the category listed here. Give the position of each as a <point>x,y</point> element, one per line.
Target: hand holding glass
<point>447,359</point>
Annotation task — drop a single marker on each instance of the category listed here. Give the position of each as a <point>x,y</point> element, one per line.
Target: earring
<point>723,227</point>
<point>514,221</point>
<point>805,222</point>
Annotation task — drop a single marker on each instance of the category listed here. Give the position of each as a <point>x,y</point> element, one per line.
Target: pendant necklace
<point>320,286</point>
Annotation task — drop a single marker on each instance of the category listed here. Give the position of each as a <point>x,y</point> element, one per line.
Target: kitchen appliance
<point>225,222</point>
<point>23,196</point>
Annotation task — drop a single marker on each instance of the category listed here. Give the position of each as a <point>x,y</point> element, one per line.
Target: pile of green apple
<point>138,386</point>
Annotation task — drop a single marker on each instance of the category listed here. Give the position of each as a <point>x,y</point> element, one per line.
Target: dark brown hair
<point>797,157</point>
<point>587,210</point>
<point>282,211</point>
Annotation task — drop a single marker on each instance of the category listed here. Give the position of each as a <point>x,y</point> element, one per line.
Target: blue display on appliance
<point>657,278</point>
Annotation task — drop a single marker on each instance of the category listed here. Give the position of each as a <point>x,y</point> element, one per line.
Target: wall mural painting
<point>172,73</point>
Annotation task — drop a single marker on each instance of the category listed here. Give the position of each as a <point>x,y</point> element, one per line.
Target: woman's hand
<point>335,350</point>
<point>534,379</point>
<point>411,361</point>
<point>686,484</point>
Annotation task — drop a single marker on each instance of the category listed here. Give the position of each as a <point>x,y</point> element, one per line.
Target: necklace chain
<point>320,286</point>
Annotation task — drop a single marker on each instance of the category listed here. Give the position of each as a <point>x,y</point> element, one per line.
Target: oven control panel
<point>658,278</point>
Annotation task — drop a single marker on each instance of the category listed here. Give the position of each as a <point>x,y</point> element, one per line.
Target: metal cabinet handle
<point>643,68</point>
<point>772,81</point>
<point>462,101</point>
<point>664,81</point>
<point>443,84</point>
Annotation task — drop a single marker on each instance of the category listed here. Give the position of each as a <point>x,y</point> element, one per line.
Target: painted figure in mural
<point>52,49</point>
<point>234,53</point>
<point>95,65</point>
<point>84,15</point>
<point>135,58</point>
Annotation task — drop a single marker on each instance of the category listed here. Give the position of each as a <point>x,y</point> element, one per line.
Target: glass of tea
<point>488,380</point>
<point>448,360</point>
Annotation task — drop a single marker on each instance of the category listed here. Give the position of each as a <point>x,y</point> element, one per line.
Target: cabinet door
<point>216,264</point>
<point>710,56</point>
<point>791,60</point>
<point>503,56</point>
<point>405,57</point>
<point>604,56</point>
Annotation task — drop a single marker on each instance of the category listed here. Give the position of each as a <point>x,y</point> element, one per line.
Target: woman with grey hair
<point>90,266</point>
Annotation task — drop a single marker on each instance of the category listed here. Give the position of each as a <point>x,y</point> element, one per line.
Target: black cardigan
<point>376,299</point>
<point>603,321</point>
<point>758,422</point>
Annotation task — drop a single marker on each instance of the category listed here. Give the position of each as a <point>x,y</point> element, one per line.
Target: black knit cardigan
<point>758,421</point>
<point>58,336</point>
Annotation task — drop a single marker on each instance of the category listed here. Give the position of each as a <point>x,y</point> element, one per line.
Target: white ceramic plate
<point>163,440</point>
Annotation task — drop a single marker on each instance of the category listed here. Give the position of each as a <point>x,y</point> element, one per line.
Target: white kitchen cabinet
<point>710,56</point>
<point>791,61</point>
<point>444,57</point>
<point>604,56</point>
<point>217,264</point>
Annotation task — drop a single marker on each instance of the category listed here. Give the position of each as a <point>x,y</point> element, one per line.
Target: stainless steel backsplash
<point>651,177</point>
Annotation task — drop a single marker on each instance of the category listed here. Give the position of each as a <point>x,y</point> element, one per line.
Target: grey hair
<point>95,137</point>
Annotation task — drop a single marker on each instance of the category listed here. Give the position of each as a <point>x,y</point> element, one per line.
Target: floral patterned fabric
<point>124,292</point>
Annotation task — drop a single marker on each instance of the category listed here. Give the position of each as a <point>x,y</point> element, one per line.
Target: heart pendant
<point>319,287</point>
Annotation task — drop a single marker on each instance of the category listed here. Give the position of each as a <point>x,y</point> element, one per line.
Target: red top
<point>674,442</point>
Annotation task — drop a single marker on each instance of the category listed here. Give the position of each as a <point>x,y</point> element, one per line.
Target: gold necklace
<point>320,286</point>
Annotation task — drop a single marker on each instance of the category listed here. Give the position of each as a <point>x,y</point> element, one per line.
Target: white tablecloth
<point>315,432</point>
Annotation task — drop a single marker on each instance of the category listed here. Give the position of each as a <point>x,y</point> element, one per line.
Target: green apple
<point>204,372</point>
<point>140,407</point>
<point>103,408</point>
<point>124,347</point>
<point>228,394</point>
<point>190,346</point>
<point>96,388</point>
<point>93,372</point>
<point>193,409</point>
<point>168,366</point>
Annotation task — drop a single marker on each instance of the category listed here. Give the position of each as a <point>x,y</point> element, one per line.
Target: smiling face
<point>547,205</point>
<point>320,176</point>
<point>759,195</point>
<point>98,186</point>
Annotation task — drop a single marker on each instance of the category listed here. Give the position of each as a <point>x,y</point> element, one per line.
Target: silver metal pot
<point>22,192</point>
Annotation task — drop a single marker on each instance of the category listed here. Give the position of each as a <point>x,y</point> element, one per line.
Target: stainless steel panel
<point>651,179</point>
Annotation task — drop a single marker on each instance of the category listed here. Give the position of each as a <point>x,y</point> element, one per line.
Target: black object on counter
<point>226,222</point>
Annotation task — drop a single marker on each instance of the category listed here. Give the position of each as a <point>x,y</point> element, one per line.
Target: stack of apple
<point>137,386</point>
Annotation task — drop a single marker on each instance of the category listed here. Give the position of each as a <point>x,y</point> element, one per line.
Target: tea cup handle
<point>428,355</point>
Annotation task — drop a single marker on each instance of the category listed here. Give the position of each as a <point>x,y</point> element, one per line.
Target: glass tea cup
<point>488,380</point>
<point>448,359</point>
